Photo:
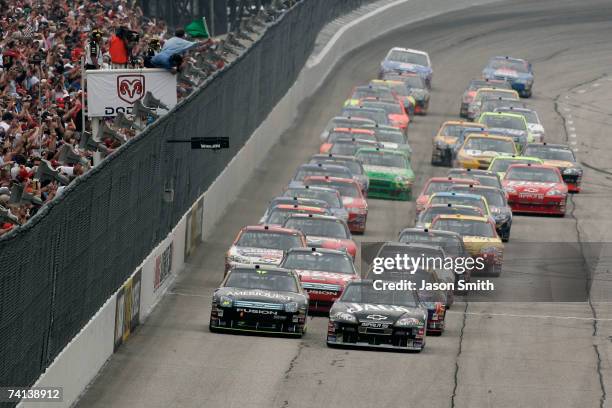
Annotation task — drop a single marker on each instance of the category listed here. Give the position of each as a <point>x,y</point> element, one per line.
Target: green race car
<point>389,172</point>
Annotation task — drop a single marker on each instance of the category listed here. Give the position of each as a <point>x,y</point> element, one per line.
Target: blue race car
<point>403,60</point>
<point>517,72</point>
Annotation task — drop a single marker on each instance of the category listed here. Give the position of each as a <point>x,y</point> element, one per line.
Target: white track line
<point>531,316</point>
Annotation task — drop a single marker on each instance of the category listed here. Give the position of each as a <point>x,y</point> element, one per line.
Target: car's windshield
<point>534,174</point>
<point>350,123</point>
<point>385,159</point>
<point>390,108</point>
<point>322,171</point>
<point>451,130</point>
<point>458,200</point>
<point>529,115</point>
<point>335,135</point>
<point>270,240</point>
<point>353,166</point>
<point>451,244</point>
<point>432,212</point>
<point>502,164</point>
<point>319,261</point>
<point>436,186</point>
<point>365,293</point>
<point>345,189</point>
<point>519,66</point>
<point>262,279</point>
<point>489,181</point>
<point>330,228</point>
<point>348,147</point>
<point>504,122</point>
<point>278,216</point>
<point>408,57</point>
<point>494,197</point>
<point>465,227</point>
<point>488,93</point>
<point>328,196</point>
<point>377,115</point>
<point>487,144</point>
<point>388,136</point>
<point>380,91</point>
<point>549,153</point>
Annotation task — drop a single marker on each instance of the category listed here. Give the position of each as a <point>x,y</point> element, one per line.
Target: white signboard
<point>112,91</point>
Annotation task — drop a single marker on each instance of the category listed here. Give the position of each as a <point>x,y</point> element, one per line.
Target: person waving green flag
<point>198,28</point>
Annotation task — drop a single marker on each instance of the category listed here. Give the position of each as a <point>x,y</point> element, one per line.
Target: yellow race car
<point>449,138</point>
<point>479,237</point>
<point>478,151</point>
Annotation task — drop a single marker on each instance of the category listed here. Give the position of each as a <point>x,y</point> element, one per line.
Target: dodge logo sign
<point>130,88</point>
<point>376,317</point>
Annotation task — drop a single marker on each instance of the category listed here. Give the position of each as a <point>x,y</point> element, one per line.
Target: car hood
<point>351,202</point>
<point>260,295</point>
<point>329,278</point>
<point>386,172</point>
<point>259,255</point>
<point>331,243</point>
<point>531,186</point>
<point>475,244</point>
<point>377,313</point>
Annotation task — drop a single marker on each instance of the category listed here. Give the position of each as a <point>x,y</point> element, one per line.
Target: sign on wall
<point>127,311</point>
<point>163,266</point>
<point>193,230</point>
<point>112,91</point>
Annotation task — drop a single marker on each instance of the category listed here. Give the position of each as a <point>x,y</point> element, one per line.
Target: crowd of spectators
<point>42,46</point>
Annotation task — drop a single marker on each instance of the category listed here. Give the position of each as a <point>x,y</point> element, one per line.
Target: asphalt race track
<point>493,354</point>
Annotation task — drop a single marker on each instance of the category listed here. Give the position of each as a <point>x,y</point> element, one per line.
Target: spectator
<point>118,49</point>
<point>93,51</point>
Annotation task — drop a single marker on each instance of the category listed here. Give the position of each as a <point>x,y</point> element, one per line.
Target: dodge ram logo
<point>130,88</point>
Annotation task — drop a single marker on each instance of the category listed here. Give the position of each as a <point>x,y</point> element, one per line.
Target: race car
<point>375,114</point>
<point>561,157</point>
<point>479,237</point>
<point>262,244</point>
<point>396,113</point>
<point>475,108</point>
<point>407,60</point>
<point>473,86</point>
<point>278,215</point>
<point>263,298</point>
<point>417,87</point>
<point>349,146</point>
<point>436,301</point>
<point>389,171</point>
<point>347,123</point>
<point>402,92</point>
<point>535,189</point>
<point>324,273</point>
<point>459,198</point>
<point>492,104</point>
<point>534,125</point>
<point>478,151</point>
<point>350,162</point>
<point>518,72</point>
<point>330,195</point>
<point>436,185</point>
<point>498,205</point>
<point>352,199</point>
<point>319,169</point>
<point>323,231</point>
<point>392,138</point>
<point>484,177</point>
<point>371,318</point>
<point>286,200</point>
<point>448,139</point>
<point>500,164</point>
<point>344,133</point>
<point>450,242</point>
<point>508,124</point>
<point>429,213</point>
<point>359,93</point>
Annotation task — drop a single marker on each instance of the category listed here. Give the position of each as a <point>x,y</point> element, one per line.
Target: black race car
<point>369,316</point>
<point>260,298</point>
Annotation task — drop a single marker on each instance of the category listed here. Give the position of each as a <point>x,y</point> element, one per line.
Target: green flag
<point>198,29</point>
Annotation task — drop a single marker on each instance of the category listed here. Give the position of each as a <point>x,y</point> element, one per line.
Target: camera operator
<point>93,50</point>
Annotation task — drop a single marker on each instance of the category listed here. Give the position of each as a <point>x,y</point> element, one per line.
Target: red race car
<point>324,274</point>
<point>337,133</point>
<point>436,185</point>
<point>352,199</point>
<point>535,188</point>
<point>323,231</point>
<point>259,244</point>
